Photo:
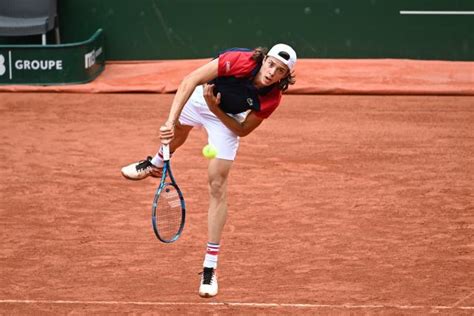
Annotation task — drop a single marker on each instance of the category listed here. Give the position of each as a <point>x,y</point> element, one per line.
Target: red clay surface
<point>347,204</point>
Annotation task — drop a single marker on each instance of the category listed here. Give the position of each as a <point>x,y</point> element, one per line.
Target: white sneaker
<point>208,286</point>
<point>142,169</point>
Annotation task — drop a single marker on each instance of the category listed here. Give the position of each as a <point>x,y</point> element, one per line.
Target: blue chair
<point>29,17</point>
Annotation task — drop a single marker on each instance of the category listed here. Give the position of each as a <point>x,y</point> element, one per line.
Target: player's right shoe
<point>208,287</point>
<point>142,169</point>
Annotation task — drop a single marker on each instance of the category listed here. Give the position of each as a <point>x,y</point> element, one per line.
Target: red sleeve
<point>269,103</point>
<point>235,63</point>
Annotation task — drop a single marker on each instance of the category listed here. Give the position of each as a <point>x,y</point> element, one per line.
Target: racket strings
<point>168,215</point>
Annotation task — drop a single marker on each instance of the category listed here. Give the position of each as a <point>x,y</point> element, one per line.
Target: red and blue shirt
<point>236,72</point>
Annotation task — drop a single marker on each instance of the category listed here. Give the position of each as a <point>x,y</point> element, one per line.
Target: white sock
<point>158,159</point>
<point>212,252</point>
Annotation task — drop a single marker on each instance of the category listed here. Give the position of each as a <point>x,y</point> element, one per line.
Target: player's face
<point>272,71</point>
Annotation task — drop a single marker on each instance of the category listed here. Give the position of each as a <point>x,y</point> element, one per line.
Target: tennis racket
<point>169,210</point>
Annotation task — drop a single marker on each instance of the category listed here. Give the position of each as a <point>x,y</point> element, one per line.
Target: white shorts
<point>196,113</point>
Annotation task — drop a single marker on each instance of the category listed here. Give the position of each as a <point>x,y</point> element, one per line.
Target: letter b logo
<point>2,65</point>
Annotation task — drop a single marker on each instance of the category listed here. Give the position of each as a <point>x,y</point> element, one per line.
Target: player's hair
<point>259,55</point>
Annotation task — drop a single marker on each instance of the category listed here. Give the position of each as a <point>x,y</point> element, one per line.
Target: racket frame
<point>163,184</point>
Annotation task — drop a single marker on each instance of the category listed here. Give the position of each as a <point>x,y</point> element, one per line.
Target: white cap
<point>285,54</point>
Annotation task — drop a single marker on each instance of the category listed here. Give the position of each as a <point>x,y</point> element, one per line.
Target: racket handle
<point>166,152</point>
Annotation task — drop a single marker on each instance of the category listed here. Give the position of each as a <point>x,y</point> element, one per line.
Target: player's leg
<point>218,173</point>
<point>226,144</point>
<point>181,133</point>
<point>153,166</point>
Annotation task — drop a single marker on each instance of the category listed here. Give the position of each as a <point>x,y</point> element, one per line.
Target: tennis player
<point>230,96</point>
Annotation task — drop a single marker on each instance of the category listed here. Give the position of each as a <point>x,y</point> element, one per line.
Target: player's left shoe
<point>208,287</point>
<point>142,169</point>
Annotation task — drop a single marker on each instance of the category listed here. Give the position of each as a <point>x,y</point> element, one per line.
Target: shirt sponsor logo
<point>227,66</point>
<point>250,101</point>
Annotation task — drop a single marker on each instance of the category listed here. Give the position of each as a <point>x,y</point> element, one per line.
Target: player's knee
<point>217,187</point>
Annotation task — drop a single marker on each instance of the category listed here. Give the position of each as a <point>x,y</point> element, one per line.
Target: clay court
<point>337,205</point>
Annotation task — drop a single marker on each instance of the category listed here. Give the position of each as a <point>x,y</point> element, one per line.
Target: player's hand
<point>167,132</point>
<point>211,100</point>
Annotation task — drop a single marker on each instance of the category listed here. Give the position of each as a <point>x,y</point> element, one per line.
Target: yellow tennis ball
<point>209,151</point>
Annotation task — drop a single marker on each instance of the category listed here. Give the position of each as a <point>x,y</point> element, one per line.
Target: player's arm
<point>199,76</point>
<point>251,122</point>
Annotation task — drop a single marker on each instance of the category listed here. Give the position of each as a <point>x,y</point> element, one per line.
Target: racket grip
<point>166,152</point>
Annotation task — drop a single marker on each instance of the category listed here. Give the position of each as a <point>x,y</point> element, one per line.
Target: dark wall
<point>175,29</point>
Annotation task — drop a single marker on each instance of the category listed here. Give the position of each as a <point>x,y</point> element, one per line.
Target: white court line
<point>438,12</point>
<point>463,299</point>
<point>261,305</point>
